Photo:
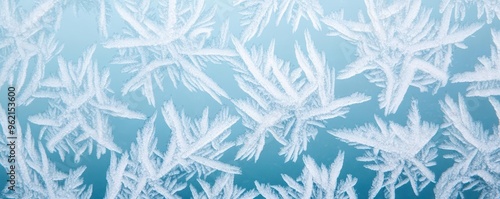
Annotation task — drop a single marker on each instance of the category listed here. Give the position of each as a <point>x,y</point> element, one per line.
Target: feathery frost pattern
<point>315,182</point>
<point>258,13</point>
<point>485,80</point>
<point>476,153</point>
<point>489,8</point>
<point>400,154</point>
<point>194,148</point>
<point>288,103</point>
<point>223,187</point>
<point>27,44</point>
<point>79,112</point>
<point>39,176</point>
<point>400,47</point>
<point>79,107</point>
<point>168,39</point>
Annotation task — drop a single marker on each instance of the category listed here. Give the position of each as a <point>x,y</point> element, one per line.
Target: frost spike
<point>216,165</point>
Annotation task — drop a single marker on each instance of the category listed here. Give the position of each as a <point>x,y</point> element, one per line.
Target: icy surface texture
<point>289,84</point>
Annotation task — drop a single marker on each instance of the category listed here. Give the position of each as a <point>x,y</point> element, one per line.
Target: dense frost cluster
<point>396,150</point>
<point>68,110</point>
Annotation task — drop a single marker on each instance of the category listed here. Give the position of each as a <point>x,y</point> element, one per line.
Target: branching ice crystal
<point>476,153</point>
<point>288,103</point>
<point>194,149</point>
<point>79,106</point>
<point>258,13</point>
<point>223,187</point>
<point>400,154</point>
<point>489,8</point>
<point>24,37</point>
<point>171,39</point>
<point>401,46</point>
<point>485,80</point>
<point>315,182</point>
<point>38,177</point>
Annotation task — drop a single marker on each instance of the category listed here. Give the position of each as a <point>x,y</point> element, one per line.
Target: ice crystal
<point>489,8</point>
<point>79,106</point>
<point>315,182</point>
<point>258,13</point>
<point>38,177</point>
<point>27,44</point>
<point>288,103</point>
<point>476,153</point>
<point>194,149</point>
<point>401,46</point>
<point>485,80</point>
<point>168,38</point>
<point>400,154</point>
<point>223,187</point>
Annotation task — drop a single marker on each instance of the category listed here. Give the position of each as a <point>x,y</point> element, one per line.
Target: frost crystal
<point>315,182</point>
<point>170,38</point>
<point>485,80</point>
<point>79,107</point>
<point>38,177</point>
<point>490,8</point>
<point>194,148</point>
<point>288,103</point>
<point>223,187</point>
<point>400,154</point>
<point>476,153</point>
<point>258,13</point>
<point>27,39</point>
<point>401,46</point>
